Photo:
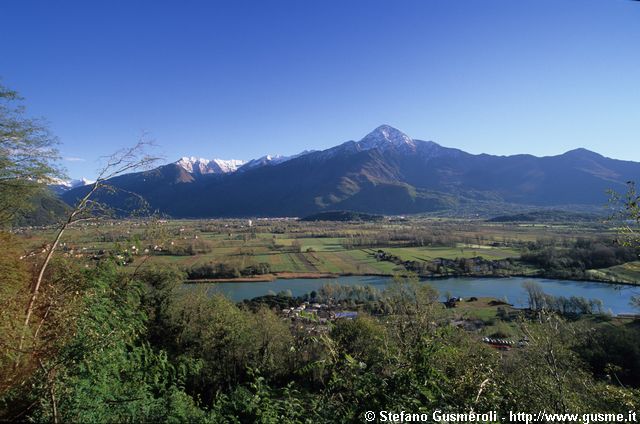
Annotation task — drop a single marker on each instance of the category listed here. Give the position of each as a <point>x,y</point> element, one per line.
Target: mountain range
<point>386,172</point>
<point>59,186</point>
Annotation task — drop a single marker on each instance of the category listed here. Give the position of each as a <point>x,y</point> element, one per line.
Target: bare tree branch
<point>121,162</point>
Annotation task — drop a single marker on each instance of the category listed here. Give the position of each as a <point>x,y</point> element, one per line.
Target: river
<point>615,297</point>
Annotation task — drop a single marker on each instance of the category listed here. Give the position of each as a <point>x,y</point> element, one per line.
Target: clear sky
<point>240,79</point>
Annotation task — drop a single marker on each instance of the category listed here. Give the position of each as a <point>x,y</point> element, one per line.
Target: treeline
<point>574,260</point>
<point>477,266</point>
<point>567,260</point>
<point>572,306</point>
<point>441,267</point>
<point>403,238</point>
<point>342,216</point>
<point>184,248</point>
<point>212,270</point>
<point>549,217</point>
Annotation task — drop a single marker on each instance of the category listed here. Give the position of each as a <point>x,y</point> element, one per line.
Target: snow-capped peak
<point>195,165</point>
<point>82,182</point>
<point>203,166</point>
<point>69,183</point>
<point>56,182</point>
<point>383,136</point>
<point>59,185</point>
<point>225,166</point>
<point>271,160</point>
<point>264,160</point>
<point>192,163</point>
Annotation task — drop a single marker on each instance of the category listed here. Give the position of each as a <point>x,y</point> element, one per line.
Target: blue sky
<point>240,79</point>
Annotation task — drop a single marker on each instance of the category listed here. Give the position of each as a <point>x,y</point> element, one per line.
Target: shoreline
<point>267,278</point>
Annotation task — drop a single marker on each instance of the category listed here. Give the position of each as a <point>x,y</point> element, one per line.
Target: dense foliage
<point>573,261</point>
<point>139,348</point>
<point>226,270</point>
<point>27,157</point>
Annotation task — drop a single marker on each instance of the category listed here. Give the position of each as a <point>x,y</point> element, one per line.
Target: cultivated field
<point>284,247</point>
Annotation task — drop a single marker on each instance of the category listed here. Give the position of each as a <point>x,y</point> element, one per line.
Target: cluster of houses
<point>316,314</point>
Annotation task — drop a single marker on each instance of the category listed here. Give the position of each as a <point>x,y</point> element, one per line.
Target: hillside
<point>46,208</point>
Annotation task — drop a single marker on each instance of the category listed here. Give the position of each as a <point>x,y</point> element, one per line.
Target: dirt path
<point>306,262</point>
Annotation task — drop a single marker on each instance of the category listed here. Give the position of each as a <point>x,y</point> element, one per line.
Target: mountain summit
<point>385,135</point>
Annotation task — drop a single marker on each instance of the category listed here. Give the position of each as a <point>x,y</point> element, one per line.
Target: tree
<point>364,338</point>
<point>536,297</point>
<point>20,176</point>
<point>296,246</point>
<point>121,162</point>
<point>98,367</point>
<point>626,209</point>
<point>27,156</point>
<point>548,374</point>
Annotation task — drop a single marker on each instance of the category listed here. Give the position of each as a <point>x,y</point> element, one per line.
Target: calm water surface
<point>615,297</point>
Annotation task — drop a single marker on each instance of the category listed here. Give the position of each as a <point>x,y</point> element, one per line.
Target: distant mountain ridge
<point>59,186</point>
<point>386,172</point>
<point>202,166</point>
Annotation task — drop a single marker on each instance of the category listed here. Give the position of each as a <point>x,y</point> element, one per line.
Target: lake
<point>614,296</point>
